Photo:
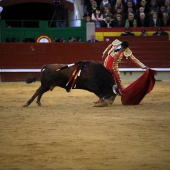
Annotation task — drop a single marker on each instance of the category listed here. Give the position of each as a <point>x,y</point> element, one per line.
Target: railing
<point>29,31</point>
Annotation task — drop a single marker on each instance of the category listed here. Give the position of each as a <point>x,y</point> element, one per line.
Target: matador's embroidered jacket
<point>115,57</point>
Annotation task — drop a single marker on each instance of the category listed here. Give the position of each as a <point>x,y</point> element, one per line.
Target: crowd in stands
<point>127,13</point>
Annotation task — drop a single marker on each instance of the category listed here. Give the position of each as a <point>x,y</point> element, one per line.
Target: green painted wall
<point>41,28</point>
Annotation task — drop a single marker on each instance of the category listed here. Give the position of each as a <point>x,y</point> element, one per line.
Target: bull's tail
<point>35,78</point>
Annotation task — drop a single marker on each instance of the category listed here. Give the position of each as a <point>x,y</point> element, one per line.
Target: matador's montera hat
<point>116,42</point>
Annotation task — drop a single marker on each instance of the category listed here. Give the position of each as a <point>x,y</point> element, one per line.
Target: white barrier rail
<point>38,70</point>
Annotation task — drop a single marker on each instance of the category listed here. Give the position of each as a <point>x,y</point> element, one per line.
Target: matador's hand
<point>146,67</point>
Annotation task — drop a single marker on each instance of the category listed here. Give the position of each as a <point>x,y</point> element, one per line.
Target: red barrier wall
<point>34,55</point>
<point>154,54</point>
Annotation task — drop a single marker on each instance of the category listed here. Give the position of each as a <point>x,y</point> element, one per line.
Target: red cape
<point>135,92</point>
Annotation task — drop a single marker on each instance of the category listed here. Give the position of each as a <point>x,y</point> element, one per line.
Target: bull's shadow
<point>87,75</point>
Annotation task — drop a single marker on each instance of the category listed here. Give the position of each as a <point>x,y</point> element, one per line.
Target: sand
<point>68,133</point>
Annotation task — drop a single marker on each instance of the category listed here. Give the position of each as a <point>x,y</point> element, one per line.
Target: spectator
<point>107,19</point>
<point>108,22</point>
<point>161,11</point>
<point>113,2</point>
<point>105,3</point>
<point>107,13</point>
<point>127,32</point>
<point>129,10</point>
<point>143,4</point>
<point>84,16</point>
<point>87,18</point>
<point>87,7</point>
<point>97,18</point>
<point>153,5</point>
<point>59,40</point>
<point>92,39</point>
<point>160,32</point>
<point>119,11</point>
<point>119,22</point>
<point>129,4</point>
<point>118,5</point>
<point>93,6</point>
<point>151,12</point>
<point>154,21</point>
<point>139,10</point>
<point>144,33</point>
<point>167,5</point>
<point>131,21</point>
<point>134,2</point>
<point>29,40</point>
<point>72,39</point>
<point>90,6</point>
<point>142,21</point>
<point>79,39</point>
<point>165,20</point>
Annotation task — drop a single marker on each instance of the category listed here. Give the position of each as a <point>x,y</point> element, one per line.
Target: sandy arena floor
<point>67,133</point>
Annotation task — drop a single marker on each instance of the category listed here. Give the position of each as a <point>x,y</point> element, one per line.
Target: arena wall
<point>19,60</point>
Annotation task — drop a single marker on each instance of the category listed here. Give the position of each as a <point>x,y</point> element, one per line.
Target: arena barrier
<point>19,60</point>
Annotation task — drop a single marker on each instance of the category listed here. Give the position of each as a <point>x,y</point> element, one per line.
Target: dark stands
<point>160,32</point>
<point>127,32</point>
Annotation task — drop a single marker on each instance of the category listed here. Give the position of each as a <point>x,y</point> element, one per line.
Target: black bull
<point>88,75</point>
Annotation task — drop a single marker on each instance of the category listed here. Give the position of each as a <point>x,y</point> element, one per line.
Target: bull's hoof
<point>111,100</point>
<point>103,103</point>
<point>39,104</point>
<point>25,105</point>
<point>98,101</point>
